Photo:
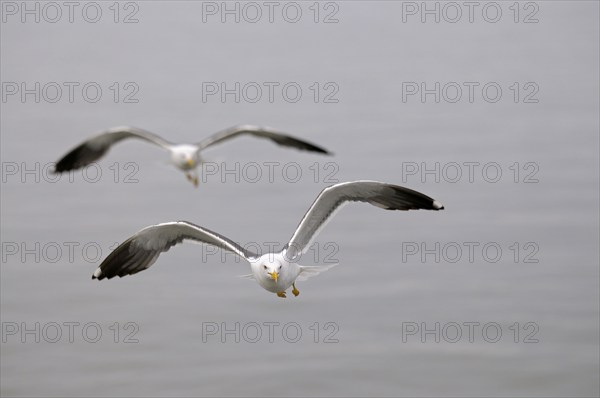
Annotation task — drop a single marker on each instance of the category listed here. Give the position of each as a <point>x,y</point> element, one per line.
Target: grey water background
<point>378,290</point>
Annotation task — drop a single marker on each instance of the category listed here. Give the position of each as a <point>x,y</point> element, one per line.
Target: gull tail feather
<point>310,271</point>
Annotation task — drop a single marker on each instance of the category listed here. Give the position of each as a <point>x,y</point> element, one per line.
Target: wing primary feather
<point>96,147</point>
<point>142,249</point>
<point>262,132</point>
<point>379,194</point>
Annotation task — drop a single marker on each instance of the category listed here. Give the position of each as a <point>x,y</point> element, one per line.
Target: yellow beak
<point>274,275</point>
<point>190,162</point>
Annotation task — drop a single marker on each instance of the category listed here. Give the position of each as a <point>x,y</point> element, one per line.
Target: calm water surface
<point>540,291</point>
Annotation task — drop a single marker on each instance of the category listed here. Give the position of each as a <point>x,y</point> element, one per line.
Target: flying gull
<point>184,156</point>
<point>275,272</point>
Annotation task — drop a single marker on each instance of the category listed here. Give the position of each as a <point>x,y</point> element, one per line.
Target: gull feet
<point>295,291</point>
<point>192,179</point>
<point>281,294</point>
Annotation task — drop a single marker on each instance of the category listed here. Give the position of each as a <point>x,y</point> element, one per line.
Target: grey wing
<point>94,148</point>
<point>142,249</point>
<point>383,195</point>
<point>261,132</point>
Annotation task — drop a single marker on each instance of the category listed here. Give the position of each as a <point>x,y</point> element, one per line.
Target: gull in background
<point>275,272</point>
<point>186,157</point>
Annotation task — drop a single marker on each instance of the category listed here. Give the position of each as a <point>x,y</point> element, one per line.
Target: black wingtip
<point>59,168</point>
<point>317,149</point>
<point>98,274</point>
<point>80,156</point>
<point>290,141</point>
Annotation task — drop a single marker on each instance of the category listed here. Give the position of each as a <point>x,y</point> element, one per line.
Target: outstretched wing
<point>261,132</point>
<point>142,249</point>
<point>385,196</point>
<point>95,147</point>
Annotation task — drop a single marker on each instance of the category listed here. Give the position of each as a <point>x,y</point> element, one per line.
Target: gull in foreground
<point>275,272</point>
<point>184,156</point>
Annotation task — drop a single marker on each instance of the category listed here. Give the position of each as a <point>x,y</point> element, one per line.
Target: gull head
<point>268,269</point>
<point>185,157</point>
<point>272,271</point>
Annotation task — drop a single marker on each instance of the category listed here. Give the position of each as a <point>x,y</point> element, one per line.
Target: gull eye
<point>264,266</point>
<point>279,267</point>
